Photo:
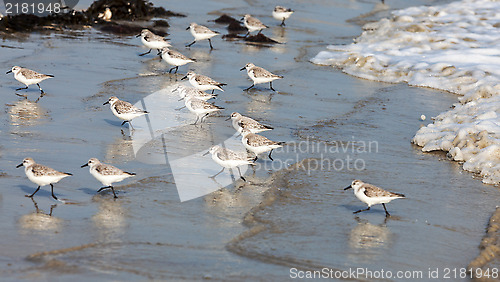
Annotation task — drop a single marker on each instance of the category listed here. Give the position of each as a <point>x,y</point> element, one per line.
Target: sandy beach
<point>291,213</point>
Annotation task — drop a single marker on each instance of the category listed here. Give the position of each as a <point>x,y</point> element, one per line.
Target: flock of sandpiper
<point>195,99</point>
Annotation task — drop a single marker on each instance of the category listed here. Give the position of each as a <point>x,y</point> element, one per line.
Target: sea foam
<point>452,47</point>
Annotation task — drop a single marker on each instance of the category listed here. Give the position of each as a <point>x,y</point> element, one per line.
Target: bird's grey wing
<point>106,169</point>
<point>40,170</point>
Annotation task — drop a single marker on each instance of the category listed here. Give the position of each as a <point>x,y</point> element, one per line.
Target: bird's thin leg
<point>38,99</point>
<point>178,109</point>
<point>146,52</point>
<point>36,205</point>
<point>51,209</point>
<point>176,69</point>
<point>128,124</point>
<point>362,210</point>
<point>113,190</point>
<point>197,117</point>
<point>102,188</point>
<point>30,196</point>
<point>259,32</point>
<point>271,85</point>
<point>270,155</point>
<point>210,42</point>
<point>201,120</point>
<point>213,176</point>
<point>386,212</point>
<point>241,176</point>
<point>249,87</point>
<point>52,190</point>
<point>41,90</point>
<point>247,34</point>
<point>22,88</point>
<point>283,23</point>
<point>189,45</point>
<point>213,91</point>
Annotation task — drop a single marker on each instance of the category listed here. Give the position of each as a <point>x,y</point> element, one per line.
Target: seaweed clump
<point>122,10</point>
<point>233,25</point>
<point>260,38</point>
<point>129,10</point>
<point>29,22</point>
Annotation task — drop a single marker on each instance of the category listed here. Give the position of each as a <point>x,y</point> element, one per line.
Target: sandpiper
<point>252,24</point>
<point>29,77</point>
<point>281,14</point>
<point>260,75</point>
<point>372,195</point>
<point>229,159</point>
<point>258,144</point>
<point>152,41</point>
<point>174,58</point>
<point>201,32</point>
<point>124,110</point>
<point>241,122</point>
<point>42,175</point>
<point>106,174</point>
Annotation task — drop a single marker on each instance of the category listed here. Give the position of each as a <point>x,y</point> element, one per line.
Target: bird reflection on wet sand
<point>40,220</point>
<point>365,235</point>
<point>25,112</point>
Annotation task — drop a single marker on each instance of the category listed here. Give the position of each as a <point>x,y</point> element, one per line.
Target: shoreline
<point>472,141</point>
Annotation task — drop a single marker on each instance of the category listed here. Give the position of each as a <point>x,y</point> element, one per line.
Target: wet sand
<point>281,218</point>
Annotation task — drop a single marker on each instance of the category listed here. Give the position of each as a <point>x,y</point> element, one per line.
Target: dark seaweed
<point>125,10</point>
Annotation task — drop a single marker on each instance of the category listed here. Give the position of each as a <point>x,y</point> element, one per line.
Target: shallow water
<point>280,218</point>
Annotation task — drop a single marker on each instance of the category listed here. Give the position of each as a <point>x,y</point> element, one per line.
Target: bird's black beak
<point>242,68</point>
<point>138,35</point>
<point>206,153</point>
<point>8,72</point>
<point>348,187</point>
<point>242,18</point>
<point>105,103</point>
<point>185,77</point>
<point>188,28</point>
<point>87,164</point>
<point>181,99</point>
<point>19,165</point>
<point>228,118</point>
